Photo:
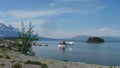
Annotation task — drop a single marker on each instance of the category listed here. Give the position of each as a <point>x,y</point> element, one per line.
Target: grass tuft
<point>17,65</point>
<point>36,63</point>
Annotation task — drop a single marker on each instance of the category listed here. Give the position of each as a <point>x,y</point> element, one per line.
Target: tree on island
<point>95,40</point>
<point>25,40</point>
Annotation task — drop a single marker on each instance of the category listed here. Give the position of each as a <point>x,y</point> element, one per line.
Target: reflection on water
<point>63,49</point>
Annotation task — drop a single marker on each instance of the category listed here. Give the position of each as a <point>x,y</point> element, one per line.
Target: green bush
<point>65,60</point>
<point>44,66</point>
<point>2,64</point>
<point>1,56</point>
<point>6,56</point>
<point>36,63</point>
<point>13,61</point>
<point>17,65</point>
<point>24,41</point>
<point>33,62</point>
<point>112,67</point>
<point>3,49</point>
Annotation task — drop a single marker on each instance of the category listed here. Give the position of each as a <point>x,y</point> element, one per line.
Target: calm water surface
<point>103,54</point>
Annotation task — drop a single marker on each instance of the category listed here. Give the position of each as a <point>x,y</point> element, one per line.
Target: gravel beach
<point>21,58</point>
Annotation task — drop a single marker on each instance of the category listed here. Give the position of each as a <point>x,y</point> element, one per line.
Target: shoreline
<point>21,58</point>
<point>9,57</point>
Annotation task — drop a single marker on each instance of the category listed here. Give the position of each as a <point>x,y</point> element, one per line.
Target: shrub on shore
<point>1,56</point>
<point>66,60</point>
<point>36,63</point>
<point>2,64</point>
<point>24,42</point>
<point>17,65</point>
<point>6,56</point>
<point>33,62</point>
<point>44,66</point>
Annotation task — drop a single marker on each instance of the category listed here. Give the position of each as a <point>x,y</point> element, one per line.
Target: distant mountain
<point>82,37</point>
<point>45,38</point>
<point>8,31</point>
<point>111,39</point>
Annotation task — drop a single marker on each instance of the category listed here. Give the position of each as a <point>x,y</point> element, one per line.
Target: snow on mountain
<point>8,31</point>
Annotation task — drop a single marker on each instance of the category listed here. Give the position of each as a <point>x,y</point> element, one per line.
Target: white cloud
<point>2,20</point>
<point>58,34</point>
<point>46,13</point>
<point>17,24</point>
<point>101,32</point>
<point>38,13</point>
<point>81,1</point>
<point>104,29</point>
<point>69,0</point>
<point>52,4</point>
<point>2,15</point>
<point>100,7</point>
<point>66,1</point>
<point>84,6</point>
<point>16,16</point>
<point>24,14</point>
<point>47,29</point>
<point>109,32</point>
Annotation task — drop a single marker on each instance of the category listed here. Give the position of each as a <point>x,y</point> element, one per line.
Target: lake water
<point>103,54</point>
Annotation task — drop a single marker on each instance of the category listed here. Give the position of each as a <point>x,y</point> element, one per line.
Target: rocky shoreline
<point>9,57</point>
<point>21,58</point>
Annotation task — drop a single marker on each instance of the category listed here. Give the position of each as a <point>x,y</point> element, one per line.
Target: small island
<point>95,40</point>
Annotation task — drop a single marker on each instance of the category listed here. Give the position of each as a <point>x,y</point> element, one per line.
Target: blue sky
<point>64,18</point>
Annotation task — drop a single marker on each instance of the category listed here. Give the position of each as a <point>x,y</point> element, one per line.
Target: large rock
<point>95,40</point>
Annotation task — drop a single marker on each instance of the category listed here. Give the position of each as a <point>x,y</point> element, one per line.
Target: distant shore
<point>21,58</point>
